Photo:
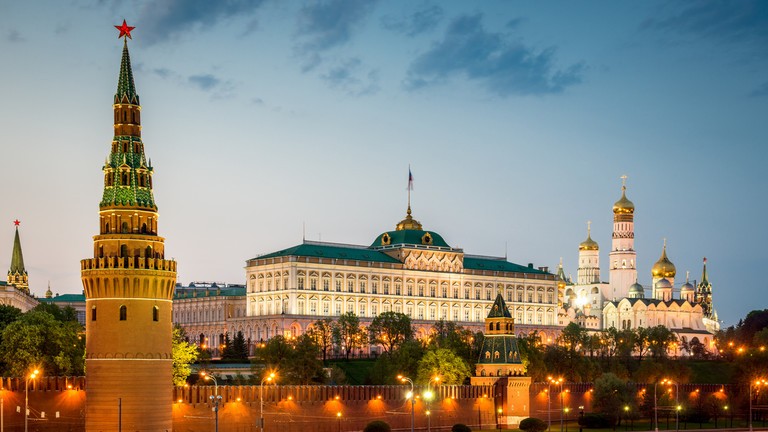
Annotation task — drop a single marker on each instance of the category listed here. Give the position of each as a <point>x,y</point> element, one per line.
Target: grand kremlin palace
<point>409,270</point>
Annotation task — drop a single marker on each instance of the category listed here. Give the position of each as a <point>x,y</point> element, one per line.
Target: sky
<point>269,121</point>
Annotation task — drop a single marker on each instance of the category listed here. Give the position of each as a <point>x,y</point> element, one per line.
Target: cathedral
<point>621,301</point>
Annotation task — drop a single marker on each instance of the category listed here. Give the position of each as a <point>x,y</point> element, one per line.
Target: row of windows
<point>124,313</point>
<point>327,308</point>
<point>421,289</point>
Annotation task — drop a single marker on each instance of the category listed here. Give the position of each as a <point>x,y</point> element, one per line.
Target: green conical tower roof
<point>126,89</point>
<point>499,308</point>
<point>127,174</point>
<point>17,258</point>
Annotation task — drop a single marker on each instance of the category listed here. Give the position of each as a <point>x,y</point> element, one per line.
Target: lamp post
<point>428,396</point>
<point>267,378</point>
<point>338,416</point>
<point>758,383</point>
<point>626,416</point>
<point>499,411</point>
<point>549,401</point>
<point>412,396</point>
<point>34,375</point>
<point>656,406</point>
<point>215,398</point>
<point>566,409</point>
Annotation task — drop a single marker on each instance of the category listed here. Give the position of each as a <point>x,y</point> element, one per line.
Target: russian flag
<point>410,179</point>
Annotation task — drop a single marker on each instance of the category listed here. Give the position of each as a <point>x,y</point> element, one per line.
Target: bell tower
<point>128,285</point>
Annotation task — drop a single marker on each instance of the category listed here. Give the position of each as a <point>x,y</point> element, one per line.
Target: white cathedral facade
<point>621,302</point>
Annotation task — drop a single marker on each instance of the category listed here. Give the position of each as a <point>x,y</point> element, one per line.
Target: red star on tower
<point>125,30</point>
<point>17,222</point>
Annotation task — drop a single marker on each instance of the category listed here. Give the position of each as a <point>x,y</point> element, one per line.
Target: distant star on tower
<point>125,30</point>
<point>17,222</point>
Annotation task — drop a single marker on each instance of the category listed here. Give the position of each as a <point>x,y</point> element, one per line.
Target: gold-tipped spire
<point>409,223</point>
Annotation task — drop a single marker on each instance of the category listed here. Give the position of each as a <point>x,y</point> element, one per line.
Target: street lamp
<point>268,378</point>
<point>626,416</point>
<point>655,405</point>
<point>33,375</point>
<point>338,416</point>
<point>758,383</point>
<point>410,394</point>
<point>428,396</point>
<point>215,398</point>
<point>566,409</point>
<point>549,401</point>
<point>498,418</point>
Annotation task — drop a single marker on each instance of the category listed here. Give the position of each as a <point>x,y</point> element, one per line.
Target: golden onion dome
<point>623,205</point>
<point>588,245</point>
<point>663,267</point>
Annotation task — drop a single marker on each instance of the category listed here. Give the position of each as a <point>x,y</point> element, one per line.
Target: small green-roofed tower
<point>17,274</point>
<point>499,355</point>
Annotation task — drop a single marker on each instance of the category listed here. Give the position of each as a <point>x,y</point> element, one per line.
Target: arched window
<point>144,228</point>
<point>124,227</point>
<point>498,326</point>
<point>123,313</point>
<point>149,252</point>
<point>106,227</point>
<point>93,313</point>
<point>155,313</point>
<point>123,250</point>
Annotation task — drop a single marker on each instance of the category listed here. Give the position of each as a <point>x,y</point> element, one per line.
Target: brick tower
<point>128,286</point>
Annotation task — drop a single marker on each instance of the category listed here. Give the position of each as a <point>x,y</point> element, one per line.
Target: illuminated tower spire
<point>128,284</point>
<point>589,260</point>
<point>622,265</point>
<point>17,274</point>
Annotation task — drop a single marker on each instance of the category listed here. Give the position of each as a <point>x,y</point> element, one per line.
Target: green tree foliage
<point>761,338</point>
<point>532,356</point>
<point>532,424</point>
<point>322,333</point>
<point>442,362</point>
<point>348,335</point>
<point>452,336</point>
<point>8,314</point>
<point>59,314</point>
<point>296,361</point>
<point>228,352</point>
<point>460,427</point>
<point>240,347</point>
<point>403,361</point>
<point>659,340</point>
<point>274,353</point>
<point>390,330</point>
<point>572,337</point>
<point>377,426</point>
<point>184,354</point>
<point>611,394</point>
<point>38,339</point>
<point>303,365</point>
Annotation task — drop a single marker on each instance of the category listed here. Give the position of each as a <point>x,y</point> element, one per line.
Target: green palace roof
<point>374,254</point>
<point>497,264</point>
<point>64,298</point>
<point>505,345</point>
<point>410,237</point>
<point>323,250</point>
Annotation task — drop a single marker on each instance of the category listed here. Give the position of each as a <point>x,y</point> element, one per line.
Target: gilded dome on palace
<point>623,205</point>
<point>663,267</point>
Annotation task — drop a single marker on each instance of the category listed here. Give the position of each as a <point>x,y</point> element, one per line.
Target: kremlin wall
<point>295,408</point>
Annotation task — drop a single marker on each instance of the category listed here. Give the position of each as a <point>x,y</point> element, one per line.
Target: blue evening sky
<point>517,118</point>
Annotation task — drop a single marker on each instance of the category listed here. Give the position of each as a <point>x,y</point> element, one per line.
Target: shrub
<point>533,424</point>
<point>597,421</point>
<point>460,427</point>
<point>377,426</point>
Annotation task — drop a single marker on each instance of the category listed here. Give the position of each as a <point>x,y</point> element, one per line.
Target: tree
<point>322,333</point>
<point>642,342</point>
<point>274,353</point>
<point>659,339</point>
<point>228,353</point>
<point>240,347</point>
<point>66,314</point>
<point>390,329</point>
<point>37,339</point>
<point>610,395</point>
<point>347,333</point>
<point>403,361</point>
<point>377,426</point>
<point>442,362</point>
<point>452,336</point>
<point>303,365</point>
<point>532,424</point>
<point>184,354</point>
<point>572,336</point>
<point>8,314</point>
